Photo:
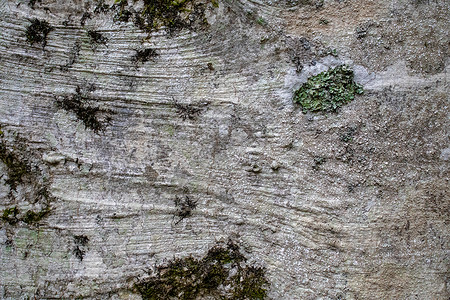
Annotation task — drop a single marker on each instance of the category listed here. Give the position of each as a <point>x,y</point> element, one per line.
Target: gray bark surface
<point>345,205</point>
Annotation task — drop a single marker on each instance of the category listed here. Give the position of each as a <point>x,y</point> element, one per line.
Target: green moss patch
<point>37,32</point>
<point>222,274</point>
<point>328,91</point>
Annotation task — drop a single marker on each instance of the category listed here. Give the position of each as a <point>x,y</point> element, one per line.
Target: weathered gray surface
<point>372,222</point>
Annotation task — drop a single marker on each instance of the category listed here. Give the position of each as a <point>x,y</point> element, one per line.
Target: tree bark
<point>126,146</point>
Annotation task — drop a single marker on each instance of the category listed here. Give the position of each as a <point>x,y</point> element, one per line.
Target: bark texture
<point>123,148</point>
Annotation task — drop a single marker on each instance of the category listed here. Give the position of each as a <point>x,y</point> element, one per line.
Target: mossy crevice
<point>29,204</point>
<point>328,91</point>
<point>222,273</point>
<point>16,167</point>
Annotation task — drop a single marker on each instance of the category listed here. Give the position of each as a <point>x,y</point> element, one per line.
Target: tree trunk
<point>142,139</point>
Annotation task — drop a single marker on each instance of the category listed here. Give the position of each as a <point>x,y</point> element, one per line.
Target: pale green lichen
<point>328,91</point>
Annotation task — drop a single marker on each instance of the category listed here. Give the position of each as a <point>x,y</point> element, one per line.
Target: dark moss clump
<point>16,167</point>
<point>119,7</point>
<point>96,38</point>
<point>84,17</point>
<point>10,215</point>
<point>101,7</point>
<point>348,135</point>
<point>122,14</point>
<point>79,253</point>
<point>250,284</point>
<point>13,215</point>
<point>80,248</point>
<point>81,240</point>
<point>185,205</point>
<point>32,217</point>
<point>77,103</point>
<point>222,274</point>
<point>187,111</point>
<point>318,161</point>
<point>31,3</point>
<point>145,55</point>
<point>173,15</point>
<point>328,90</point>
<point>37,32</point>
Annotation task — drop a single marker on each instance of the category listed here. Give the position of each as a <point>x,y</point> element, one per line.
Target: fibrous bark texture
<point>144,143</point>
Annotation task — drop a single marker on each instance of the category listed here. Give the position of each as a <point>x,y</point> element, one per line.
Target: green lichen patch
<point>328,91</point>
<point>38,31</point>
<point>88,114</point>
<point>222,274</point>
